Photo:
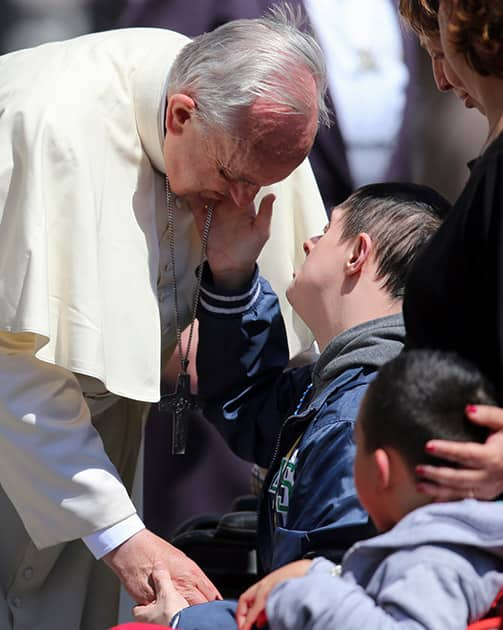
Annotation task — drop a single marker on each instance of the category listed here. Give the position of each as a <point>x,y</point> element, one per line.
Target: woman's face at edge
<point>445,77</point>
<point>455,62</point>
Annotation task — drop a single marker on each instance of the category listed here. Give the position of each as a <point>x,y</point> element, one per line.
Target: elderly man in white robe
<point>112,144</point>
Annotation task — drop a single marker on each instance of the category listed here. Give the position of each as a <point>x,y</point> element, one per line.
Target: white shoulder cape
<point>81,183</point>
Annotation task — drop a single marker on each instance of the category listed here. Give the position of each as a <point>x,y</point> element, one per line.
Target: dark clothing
<point>201,17</point>
<point>454,294</point>
<point>310,500</point>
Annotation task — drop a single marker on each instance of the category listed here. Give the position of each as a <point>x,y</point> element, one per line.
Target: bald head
<point>277,130</point>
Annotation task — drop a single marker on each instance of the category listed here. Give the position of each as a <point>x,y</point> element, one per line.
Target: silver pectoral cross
<point>179,403</point>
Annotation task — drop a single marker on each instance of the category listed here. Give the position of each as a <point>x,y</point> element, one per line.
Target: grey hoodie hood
<point>368,345</point>
<point>439,568</point>
<point>468,522</point>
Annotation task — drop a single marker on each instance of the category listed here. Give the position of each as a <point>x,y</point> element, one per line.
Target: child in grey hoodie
<point>436,566</point>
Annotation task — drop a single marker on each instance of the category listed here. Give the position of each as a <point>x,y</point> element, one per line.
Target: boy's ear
<point>179,111</point>
<point>359,253</point>
<point>383,468</point>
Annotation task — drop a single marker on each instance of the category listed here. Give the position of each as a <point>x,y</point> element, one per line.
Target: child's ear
<point>360,253</point>
<point>382,462</point>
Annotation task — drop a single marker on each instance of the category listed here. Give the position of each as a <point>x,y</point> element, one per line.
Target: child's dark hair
<point>421,395</point>
<point>400,218</point>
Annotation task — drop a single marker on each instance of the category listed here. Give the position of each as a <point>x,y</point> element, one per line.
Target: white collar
<point>150,93</point>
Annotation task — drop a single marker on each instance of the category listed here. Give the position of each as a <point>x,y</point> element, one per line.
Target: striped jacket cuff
<point>220,302</point>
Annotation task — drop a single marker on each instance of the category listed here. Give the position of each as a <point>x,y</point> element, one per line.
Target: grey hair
<point>227,69</point>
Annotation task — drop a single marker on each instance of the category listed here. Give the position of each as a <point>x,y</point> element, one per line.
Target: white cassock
<point>86,307</point>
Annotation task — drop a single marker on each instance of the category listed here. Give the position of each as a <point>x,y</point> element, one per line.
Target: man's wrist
<point>106,540</point>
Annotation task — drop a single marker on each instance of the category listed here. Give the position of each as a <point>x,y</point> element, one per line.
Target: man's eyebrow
<point>245,180</point>
<point>226,172</point>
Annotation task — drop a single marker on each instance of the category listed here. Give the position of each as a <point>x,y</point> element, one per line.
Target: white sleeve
<point>102,542</point>
<point>53,466</point>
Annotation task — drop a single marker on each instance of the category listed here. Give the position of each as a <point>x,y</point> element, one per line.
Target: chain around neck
<point>170,202</point>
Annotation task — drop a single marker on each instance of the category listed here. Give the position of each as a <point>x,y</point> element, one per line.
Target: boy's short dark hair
<point>421,395</point>
<point>399,218</point>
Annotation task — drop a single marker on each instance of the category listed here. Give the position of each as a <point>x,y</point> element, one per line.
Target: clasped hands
<point>141,557</point>
<point>251,605</point>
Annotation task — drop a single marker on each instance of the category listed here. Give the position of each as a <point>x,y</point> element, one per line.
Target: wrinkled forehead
<point>242,160</point>
<point>280,137</point>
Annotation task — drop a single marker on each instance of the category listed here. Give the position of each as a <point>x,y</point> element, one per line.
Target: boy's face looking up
<point>311,291</point>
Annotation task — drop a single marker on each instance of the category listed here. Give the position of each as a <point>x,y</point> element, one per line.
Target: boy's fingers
<point>264,215</point>
<point>243,606</point>
<point>253,614</point>
<point>161,578</point>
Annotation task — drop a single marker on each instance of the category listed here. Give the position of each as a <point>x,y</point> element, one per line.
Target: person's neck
<point>402,496</point>
<point>495,128</point>
<point>354,311</point>
<point>410,499</point>
<point>493,106</point>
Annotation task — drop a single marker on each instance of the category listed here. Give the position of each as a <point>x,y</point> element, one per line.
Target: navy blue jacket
<point>254,403</point>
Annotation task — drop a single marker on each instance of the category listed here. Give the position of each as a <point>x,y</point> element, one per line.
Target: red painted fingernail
<point>429,448</point>
<point>471,409</point>
<point>420,470</point>
<point>261,619</point>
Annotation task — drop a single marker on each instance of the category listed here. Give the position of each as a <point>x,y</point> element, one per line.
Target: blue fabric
<point>252,400</point>
<point>219,615</point>
<point>439,568</point>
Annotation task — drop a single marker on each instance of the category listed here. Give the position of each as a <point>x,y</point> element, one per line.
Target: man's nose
<point>243,194</point>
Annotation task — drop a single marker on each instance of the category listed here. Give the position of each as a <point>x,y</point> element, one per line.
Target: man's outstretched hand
<point>134,561</point>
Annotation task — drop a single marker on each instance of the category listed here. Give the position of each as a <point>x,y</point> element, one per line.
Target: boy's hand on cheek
<point>236,238</point>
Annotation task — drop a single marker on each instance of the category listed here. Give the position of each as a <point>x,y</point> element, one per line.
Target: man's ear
<point>383,468</point>
<point>179,111</point>
<point>359,253</point>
